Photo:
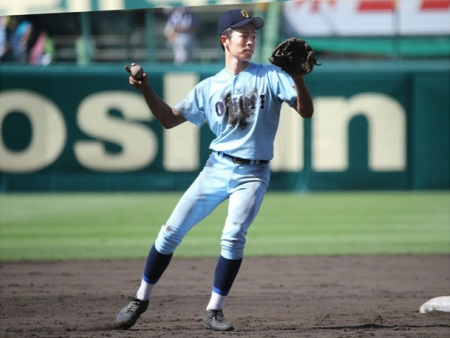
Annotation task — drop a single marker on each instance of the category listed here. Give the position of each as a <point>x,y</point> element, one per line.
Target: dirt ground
<point>369,296</point>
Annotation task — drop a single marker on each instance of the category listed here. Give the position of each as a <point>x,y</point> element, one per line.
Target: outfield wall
<point>377,125</point>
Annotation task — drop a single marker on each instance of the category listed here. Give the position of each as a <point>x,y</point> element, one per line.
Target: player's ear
<point>223,41</point>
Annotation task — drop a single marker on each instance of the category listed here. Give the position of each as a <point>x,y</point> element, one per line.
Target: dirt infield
<point>373,296</point>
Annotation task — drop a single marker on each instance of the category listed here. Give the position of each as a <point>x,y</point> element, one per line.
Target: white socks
<point>145,290</point>
<point>216,302</point>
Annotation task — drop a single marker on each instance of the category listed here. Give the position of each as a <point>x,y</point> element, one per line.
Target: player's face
<point>242,43</point>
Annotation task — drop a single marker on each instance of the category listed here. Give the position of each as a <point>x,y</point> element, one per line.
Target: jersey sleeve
<point>285,89</point>
<point>192,107</point>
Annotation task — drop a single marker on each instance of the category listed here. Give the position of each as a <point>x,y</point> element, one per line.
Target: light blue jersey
<point>242,110</point>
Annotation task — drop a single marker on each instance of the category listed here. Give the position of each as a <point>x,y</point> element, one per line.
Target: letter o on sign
<point>48,132</point>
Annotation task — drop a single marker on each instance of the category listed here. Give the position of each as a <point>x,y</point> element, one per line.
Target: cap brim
<point>257,21</point>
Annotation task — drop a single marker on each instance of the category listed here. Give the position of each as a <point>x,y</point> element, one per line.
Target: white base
<point>436,304</point>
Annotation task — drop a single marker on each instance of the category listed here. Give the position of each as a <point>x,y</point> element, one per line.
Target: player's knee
<point>168,239</point>
<point>232,249</point>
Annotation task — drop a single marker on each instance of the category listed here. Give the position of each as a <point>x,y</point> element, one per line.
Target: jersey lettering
<point>263,101</point>
<point>220,108</point>
<point>249,102</point>
<point>238,109</point>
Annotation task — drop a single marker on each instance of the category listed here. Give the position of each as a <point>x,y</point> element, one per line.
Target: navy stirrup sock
<point>155,266</point>
<point>225,274</point>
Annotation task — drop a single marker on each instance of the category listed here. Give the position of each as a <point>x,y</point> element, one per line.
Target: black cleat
<point>215,320</point>
<point>128,316</point>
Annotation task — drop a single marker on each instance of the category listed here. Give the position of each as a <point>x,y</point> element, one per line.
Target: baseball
<point>136,72</point>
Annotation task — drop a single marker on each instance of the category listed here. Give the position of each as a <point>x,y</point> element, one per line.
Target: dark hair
<point>227,32</point>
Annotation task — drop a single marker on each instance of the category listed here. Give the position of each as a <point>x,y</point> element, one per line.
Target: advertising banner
<point>367,17</point>
<point>85,129</point>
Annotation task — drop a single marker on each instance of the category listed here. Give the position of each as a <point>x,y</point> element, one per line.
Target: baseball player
<point>241,104</point>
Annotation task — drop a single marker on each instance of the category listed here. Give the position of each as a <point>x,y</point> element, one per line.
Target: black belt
<point>239,160</point>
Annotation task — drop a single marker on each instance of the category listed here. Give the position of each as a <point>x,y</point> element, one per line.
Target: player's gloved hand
<point>294,56</point>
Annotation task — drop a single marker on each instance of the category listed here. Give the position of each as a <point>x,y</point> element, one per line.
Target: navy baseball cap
<point>238,18</point>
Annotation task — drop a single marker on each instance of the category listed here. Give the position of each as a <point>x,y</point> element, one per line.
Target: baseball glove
<point>294,56</point>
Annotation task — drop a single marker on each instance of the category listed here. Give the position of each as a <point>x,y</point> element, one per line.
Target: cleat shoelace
<point>136,302</point>
<point>218,316</point>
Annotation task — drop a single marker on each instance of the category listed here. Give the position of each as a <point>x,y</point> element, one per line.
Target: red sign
<point>435,5</point>
<point>377,5</point>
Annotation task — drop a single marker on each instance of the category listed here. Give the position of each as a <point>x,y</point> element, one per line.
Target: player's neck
<point>234,65</point>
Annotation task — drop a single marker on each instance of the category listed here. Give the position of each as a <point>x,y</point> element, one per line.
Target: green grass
<point>118,226</point>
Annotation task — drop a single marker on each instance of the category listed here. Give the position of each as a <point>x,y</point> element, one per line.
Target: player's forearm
<point>167,116</point>
<point>304,104</point>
